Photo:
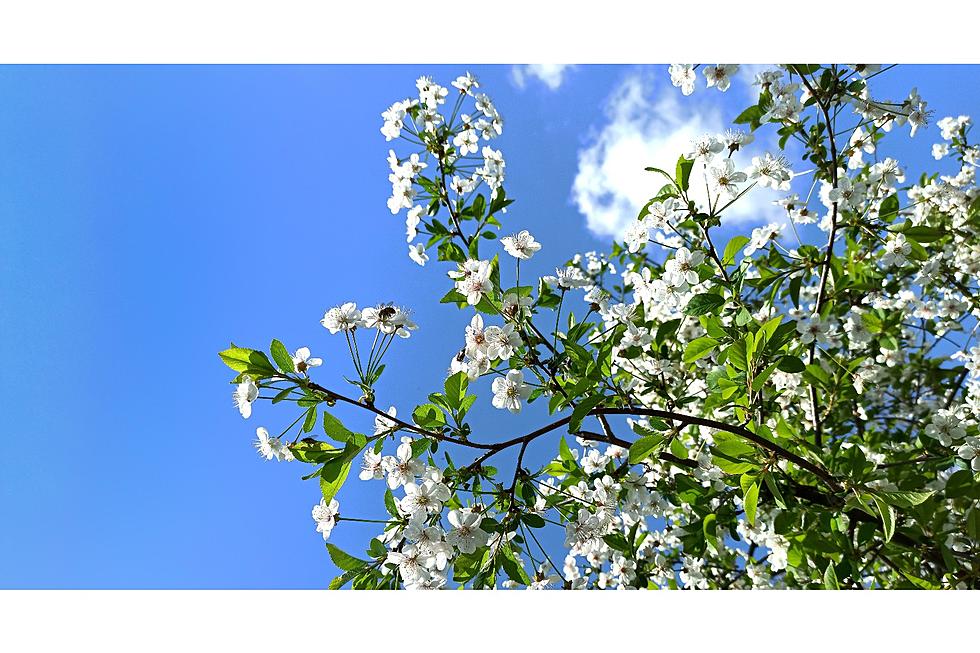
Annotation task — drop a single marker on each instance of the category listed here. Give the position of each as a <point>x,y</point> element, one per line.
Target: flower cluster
<point>446,145</point>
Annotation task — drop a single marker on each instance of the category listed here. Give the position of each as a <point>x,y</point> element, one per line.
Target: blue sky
<point>150,215</point>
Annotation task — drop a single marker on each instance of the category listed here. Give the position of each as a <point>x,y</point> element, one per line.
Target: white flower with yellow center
<point>302,360</point>
<point>509,391</point>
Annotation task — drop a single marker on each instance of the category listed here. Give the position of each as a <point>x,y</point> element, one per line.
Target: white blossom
<point>720,75</point>
<point>325,516</point>
<point>466,535</point>
<point>510,391</point>
<point>521,245</point>
<point>417,253</point>
<point>302,360</point>
<point>683,76</point>
<point>245,393</point>
<point>342,318</point>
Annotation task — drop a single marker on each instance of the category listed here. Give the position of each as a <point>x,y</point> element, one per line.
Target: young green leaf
<point>344,560</point>
<point>335,472</point>
<point>790,364</point>
<point>904,499</point>
<point>703,303</point>
<point>684,167</point>
<point>734,246</point>
<point>429,416</point>
<point>751,502</point>
<point>251,361</point>
<point>887,514</point>
<point>582,410</point>
<point>335,429</point>
<point>830,578</point>
<point>310,420</point>
<point>710,532</point>
<point>699,348</point>
<point>455,387</point>
<point>281,355</point>
<point>642,448</point>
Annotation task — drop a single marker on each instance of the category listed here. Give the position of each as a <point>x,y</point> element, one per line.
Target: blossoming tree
<point>767,412</point>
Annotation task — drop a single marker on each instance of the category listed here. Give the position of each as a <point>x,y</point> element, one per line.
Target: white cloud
<point>644,130</point>
<point>549,74</point>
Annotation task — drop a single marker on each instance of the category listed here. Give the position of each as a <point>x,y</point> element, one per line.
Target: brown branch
<point>825,266</point>
<point>734,429</point>
<point>492,448</point>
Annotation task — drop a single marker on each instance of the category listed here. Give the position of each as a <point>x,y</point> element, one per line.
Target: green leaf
<point>703,303</point>
<point>904,499</point>
<point>888,209</point>
<point>751,503</point>
<point>334,473</point>
<point>751,116</point>
<point>830,578</point>
<point>732,467</point>
<point>732,446</point>
<point>390,505</point>
<point>710,533</point>
<point>281,355</point>
<point>619,542</point>
<point>564,452</point>
<point>455,388</point>
<point>743,317</point>
<point>454,297</point>
<point>312,451</point>
<point>859,501</point>
<point>887,517</point>
<point>734,246</point>
<point>479,205</point>
<point>332,478</point>
<point>924,234</point>
<point>678,449</point>
<point>960,484</point>
<point>667,330</point>
<point>774,489</point>
<point>315,472</point>
<point>699,348</point>
<point>310,420</point>
<point>420,446</point>
<point>921,583</point>
<point>429,416</point>
<point>761,378</point>
<point>745,482</point>
<point>533,520</point>
<point>343,579</point>
<point>513,567</point>
<point>642,448</point>
<point>344,560</point>
<point>770,328</point>
<point>684,167</point>
<point>663,172</point>
<point>973,523</point>
<point>582,410</point>
<point>240,359</point>
<point>737,355</point>
<point>790,364</point>
<point>377,549</point>
<point>336,430</point>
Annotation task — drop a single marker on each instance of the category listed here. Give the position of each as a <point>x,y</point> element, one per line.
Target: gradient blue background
<point>150,215</point>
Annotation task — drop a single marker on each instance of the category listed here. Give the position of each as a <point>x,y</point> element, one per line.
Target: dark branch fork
<point>493,448</point>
